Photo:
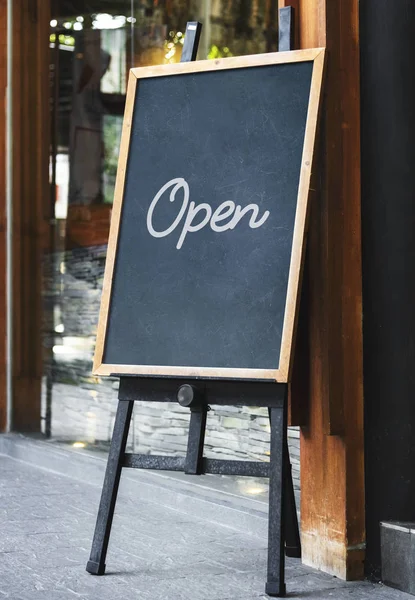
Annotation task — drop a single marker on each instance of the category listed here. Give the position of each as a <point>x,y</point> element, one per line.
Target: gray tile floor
<point>157,553</point>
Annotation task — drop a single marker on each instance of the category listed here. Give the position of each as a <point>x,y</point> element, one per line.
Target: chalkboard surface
<point>207,235</point>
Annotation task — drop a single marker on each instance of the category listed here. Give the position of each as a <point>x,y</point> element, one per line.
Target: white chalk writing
<point>226,210</point>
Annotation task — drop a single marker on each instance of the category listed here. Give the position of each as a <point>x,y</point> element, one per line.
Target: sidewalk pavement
<point>159,553</point>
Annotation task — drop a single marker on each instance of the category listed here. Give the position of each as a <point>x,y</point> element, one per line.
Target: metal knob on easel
<point>189,395</point>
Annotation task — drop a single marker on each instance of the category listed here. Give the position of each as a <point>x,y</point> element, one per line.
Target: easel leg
<point>292,530</point>
<point>275,585</point>
<point>196,440</point>
<point>96,563</point>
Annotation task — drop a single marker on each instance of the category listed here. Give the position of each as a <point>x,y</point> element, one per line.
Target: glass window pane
<point>93,43</point>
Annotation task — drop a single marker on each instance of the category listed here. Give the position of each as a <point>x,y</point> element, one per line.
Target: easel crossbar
<point>213,466</point>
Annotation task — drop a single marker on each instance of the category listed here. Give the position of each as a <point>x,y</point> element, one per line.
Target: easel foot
<point>95,568</point>
<point>277,590</point>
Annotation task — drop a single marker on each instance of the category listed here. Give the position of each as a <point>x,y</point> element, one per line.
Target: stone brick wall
<point>83,407</point>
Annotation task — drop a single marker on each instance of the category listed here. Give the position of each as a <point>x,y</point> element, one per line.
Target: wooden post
<point>30,188</point>
<point>332,462</point>
<point>30,196</point>
<point>3,222</point>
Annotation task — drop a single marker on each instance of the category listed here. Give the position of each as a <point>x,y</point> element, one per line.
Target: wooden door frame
<point>30,198</point>
<point>3,218</point>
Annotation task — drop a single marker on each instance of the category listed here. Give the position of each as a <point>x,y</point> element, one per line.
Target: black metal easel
<point>197,395</point>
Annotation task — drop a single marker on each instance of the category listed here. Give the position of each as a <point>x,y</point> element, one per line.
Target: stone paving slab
<point>155,553</point>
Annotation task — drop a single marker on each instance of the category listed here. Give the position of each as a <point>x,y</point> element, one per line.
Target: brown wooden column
<point>30,203</point>
<point>332,461</point>
<point>3,222</point>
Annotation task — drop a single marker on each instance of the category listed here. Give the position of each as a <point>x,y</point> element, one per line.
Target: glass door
<point>92,46</point>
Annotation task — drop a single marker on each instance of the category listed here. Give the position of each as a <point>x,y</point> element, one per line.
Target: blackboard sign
<point>210,211</point>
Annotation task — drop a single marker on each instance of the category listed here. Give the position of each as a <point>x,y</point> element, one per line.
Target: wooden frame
<point>282,374</point>
<point>31,228</point>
